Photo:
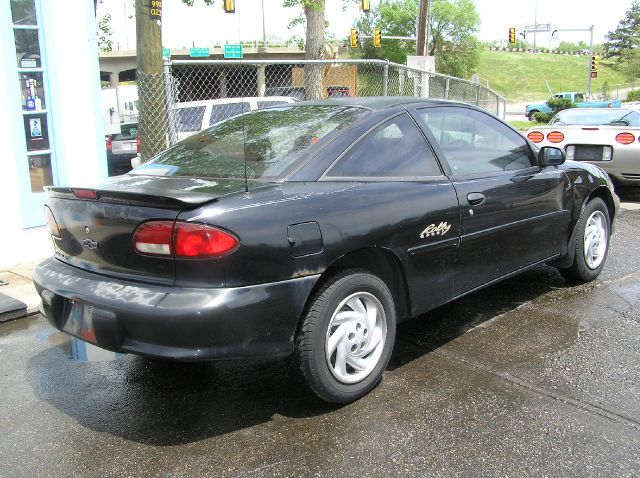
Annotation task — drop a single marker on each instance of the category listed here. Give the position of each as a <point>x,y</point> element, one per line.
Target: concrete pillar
<point>262,82</point>
<point>114,79</point>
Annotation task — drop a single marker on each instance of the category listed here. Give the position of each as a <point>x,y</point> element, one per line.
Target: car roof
<point>378,102</point>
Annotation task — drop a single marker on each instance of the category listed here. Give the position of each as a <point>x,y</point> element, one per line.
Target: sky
<point>203,25</point>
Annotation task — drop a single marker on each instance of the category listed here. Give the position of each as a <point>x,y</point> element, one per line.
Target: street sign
<point>166,53</point>
<point>538,27</point>
<point>233,51</point>
<point>199,52</point>
<point>155,9</point>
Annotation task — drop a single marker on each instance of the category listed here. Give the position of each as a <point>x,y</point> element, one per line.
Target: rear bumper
<point>173,322</point>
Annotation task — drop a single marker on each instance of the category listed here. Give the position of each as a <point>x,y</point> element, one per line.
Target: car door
<point>513,213</point>
<point>405,204</point>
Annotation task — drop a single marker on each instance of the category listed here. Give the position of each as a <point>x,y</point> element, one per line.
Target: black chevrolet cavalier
<point>312,229</point>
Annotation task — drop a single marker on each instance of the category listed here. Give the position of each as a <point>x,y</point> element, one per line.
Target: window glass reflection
<point>40,172</point>
<point>27,48</point>
<point>23,12</point>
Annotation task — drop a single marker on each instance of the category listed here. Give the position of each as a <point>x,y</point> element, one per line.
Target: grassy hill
<point>520,76</point>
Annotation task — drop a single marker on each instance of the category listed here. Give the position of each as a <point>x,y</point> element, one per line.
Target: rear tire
<point>591,244</point>
<point>347,336</point>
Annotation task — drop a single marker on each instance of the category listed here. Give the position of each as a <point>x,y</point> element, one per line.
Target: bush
<point>543,117</point>
<point>634,95</point>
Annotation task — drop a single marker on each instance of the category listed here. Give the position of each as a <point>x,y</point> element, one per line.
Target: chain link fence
<point>192,95</point>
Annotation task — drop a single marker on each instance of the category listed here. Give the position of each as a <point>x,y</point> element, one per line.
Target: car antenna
<point>244,119</point>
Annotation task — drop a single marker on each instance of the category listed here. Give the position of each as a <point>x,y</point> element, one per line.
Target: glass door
<point>38,164</point>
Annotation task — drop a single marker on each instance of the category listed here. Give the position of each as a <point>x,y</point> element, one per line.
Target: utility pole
<point>152,121</point>
<point>421,43</point>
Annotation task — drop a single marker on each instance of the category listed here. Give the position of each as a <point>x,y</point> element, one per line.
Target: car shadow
<point>167,403</point>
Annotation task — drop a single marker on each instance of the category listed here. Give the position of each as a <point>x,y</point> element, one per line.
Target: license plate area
<point>588,153</point>
<point>79,320</point>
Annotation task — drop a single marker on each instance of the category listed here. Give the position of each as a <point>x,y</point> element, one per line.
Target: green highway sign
<point>233,51</point>
<point>199,52</point>
<point>166,53</point>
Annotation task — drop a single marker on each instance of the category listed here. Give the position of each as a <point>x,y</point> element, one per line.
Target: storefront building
<point>50,120</point>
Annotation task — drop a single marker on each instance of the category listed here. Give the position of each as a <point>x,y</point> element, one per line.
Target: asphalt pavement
<point>531,377</point>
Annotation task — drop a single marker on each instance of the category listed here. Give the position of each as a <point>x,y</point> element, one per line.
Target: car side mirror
<point>550,156</point>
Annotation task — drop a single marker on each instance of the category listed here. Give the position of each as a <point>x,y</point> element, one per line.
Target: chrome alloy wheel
<point>595,240</point>
<point>355,337</point>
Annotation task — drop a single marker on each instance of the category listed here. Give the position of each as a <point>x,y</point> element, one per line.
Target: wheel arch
<point>603,193</point>
<point>380,262</point>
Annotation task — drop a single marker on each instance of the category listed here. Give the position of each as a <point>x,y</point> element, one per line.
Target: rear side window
<point>475,143</point>
<point>222,112</point>
<point>395,149</point>
<point>190,118</point>
<point>261,144</point>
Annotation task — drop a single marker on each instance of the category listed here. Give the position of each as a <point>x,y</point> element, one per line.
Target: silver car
<point>609,138</point>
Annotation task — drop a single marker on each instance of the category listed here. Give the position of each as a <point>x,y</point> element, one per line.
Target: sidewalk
<point>18,296</point>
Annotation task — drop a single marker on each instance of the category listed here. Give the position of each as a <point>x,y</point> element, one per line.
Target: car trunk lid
<point>97,225</point>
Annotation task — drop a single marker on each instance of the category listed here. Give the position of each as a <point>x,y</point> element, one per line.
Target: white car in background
<point>194,116</point>
<point>609,138</point>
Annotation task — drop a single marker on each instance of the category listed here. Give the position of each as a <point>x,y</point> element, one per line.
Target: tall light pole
<point>535,21</point>
<point>264,30</point>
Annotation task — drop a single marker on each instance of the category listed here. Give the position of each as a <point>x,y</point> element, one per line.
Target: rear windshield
<point>269,141</point>
<point>597,117</point>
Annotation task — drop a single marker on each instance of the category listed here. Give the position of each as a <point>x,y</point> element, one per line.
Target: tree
<point>624,42</point>
<point>314,44</point>
<point>626,37</point>
<point>452,27</point>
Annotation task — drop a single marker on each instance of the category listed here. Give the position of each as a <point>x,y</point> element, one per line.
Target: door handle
<point>475,198</point>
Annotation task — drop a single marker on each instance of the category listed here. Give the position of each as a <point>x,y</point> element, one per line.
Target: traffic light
<point>377,37</point>
<point>595,62</point>
<point>512,35</point>
<point>229,6</point>
<point>353,38</point>
<point>365,5</point>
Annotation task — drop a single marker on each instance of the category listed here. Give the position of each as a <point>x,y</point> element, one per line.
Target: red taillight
<point>154,238</point>
<point>85,193</point>
<point>109,142</point>
<point>198,240</point>
<point>138,144</point>
<point>182,239</point>
<point>535,136</point>
<point>52,224</point>
<point>555,137</point>
<point>625,138</point>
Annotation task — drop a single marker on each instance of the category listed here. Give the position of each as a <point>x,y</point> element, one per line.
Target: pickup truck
<point>576,97</point>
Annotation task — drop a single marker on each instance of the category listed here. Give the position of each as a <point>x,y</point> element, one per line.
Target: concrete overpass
<point>117,66</point>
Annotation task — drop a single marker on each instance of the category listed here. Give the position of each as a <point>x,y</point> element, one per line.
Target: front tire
<point>591,244</point>
<point>532,115</point>
<point>347,336</point>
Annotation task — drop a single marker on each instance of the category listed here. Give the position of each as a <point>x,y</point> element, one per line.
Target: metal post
<point>170,101</point>
<point>446,88</point>
<point>385,79</point>
<point>401,74</point>
<point>589,63</point>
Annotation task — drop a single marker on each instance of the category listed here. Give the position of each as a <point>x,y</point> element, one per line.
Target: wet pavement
<point>531,377</point>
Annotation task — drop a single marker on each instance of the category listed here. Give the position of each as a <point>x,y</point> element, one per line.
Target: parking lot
<point>531,377</point>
